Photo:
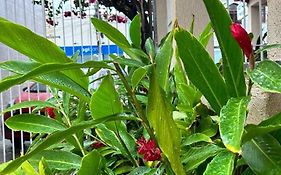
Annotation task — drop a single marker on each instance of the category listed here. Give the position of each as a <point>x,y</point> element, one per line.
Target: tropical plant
<point>147,116</point>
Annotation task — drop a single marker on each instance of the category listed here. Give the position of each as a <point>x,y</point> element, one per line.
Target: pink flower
<point>67,14</point>
<point>243,39</point>
<point>148,149</point>
<point>50,112</point>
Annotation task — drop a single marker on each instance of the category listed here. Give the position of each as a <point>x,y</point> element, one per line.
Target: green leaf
<point>92,164</point>
<point>197,137</point>
<point>142,170</point>
<point>37,48</point>
<point>268,47</point>
<point>201,70</point>
<point>206,35</point>
<point>137,76</point>
<point>105,101</point>
<point>163,61</point>
<point>127,62</point>
<point>267,75</point>
<point>27,104</point>
<point>232,121</point>
<point>271,124</point>
<point>59,160</point>
<point>263,155</point>
<point>58,137</point>
<point>135,31</point>
<point>197,155</point>
<point>34,123</point>
<point>149,48</point>
<point>159,113</point>
<point>44,168</point>
<point>28,169</point>
<point>231,52</point>
<point>222,164</point>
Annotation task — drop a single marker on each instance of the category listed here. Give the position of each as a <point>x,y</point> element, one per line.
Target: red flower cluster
<point>50,112</point>
<point>243,39</point>
<point>148,149</point>
<point>119,19</point>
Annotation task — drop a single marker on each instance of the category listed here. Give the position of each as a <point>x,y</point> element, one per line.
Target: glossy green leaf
<point>201,70</point>
<point>37,48</point>
<point>142,170</point>
<point>222,164</point>
<point>128,62</point>
<point>263,155</point>
<point>27,104</point>
<point>248,171</point>
<point>197,155</point>
<point>163,60</point>
<point>271,124</point>
<point>34,123</point>
<point>159,113</point>
<point>195,138</point>
<point>267,75</point>
<point>232,121</point>
<point>58,137</point>
<point>28,169</point>
<point>207,126</point>
<point>149,47</point>
<point>231,52</point>
<point>138,54</point>
<point>137,76</point>
<point>206,35</point>
<point>59,160</point>
<point>113,34</point>
<point>92,164</point>
<point>32,70</point>
<point>105,101</point>
<point>135,31</point>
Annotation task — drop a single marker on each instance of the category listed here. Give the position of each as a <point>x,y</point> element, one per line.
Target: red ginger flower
<point>243,39</point>
<point>148,149</point>
<point>50,112</point>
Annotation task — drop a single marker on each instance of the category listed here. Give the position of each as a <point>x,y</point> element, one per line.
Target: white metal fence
<point>72,30</point>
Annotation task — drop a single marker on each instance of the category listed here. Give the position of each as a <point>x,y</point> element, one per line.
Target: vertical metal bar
<point>260,22</point>
<point>72,28</point>
<point>81,31</point>
<point>2,124</point>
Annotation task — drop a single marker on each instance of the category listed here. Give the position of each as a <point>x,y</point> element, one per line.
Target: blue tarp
<point>89,50</point>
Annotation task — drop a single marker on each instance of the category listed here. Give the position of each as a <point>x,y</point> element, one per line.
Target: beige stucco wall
<point>183,10</point>
<point>263,104</point>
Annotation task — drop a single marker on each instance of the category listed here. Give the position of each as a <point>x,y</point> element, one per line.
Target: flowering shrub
<point>146,116</point>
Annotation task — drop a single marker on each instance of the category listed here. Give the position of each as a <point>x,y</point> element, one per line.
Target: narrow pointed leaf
<point>232,121</point>
<point>28,169</point>
<point>268,47</point>
<point>59,160</point>
<point>206,35</point>
<point>231,52</point>
<point>222,164</point>
<point>37,48</point>
<point>27,104</point>
<point>135,31</point>
<point>263,155</point>
<point>34,123</point>
<point>197,137</point>
<point>195,156</point>
<point>163,61</point>
<point>160,117</point>
<point>137,76</point>
<point>267,75</point>
<point>201,70</point>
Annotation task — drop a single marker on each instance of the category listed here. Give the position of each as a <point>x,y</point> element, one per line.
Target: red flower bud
<point>97,145</point>
<point>50,112</point>
<point>243,39</point>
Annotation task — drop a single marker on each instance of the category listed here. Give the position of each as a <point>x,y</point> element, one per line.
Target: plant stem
<point>134,101</point>
<point>69,125</point>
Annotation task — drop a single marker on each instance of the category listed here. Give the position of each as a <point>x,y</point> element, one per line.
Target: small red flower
<point>97,144</point>
<point>92,1</point>
<point>243,39</point>
<point>148,149</point>
<point>50,112</point>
